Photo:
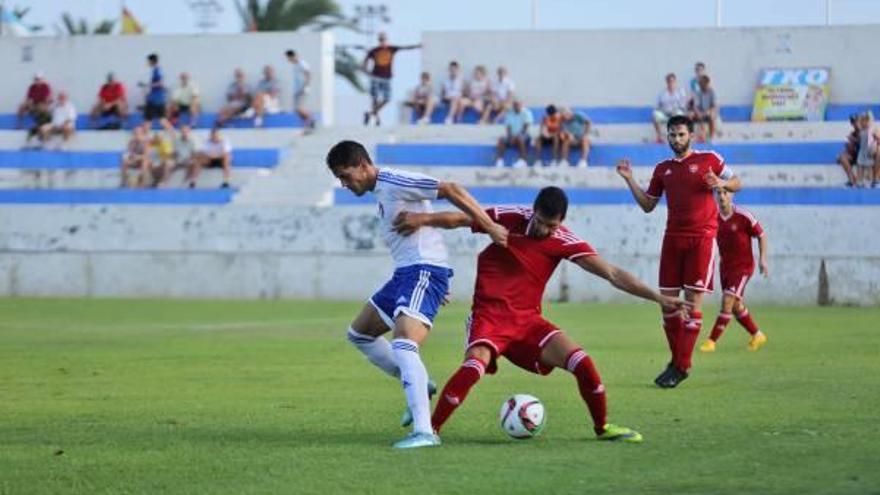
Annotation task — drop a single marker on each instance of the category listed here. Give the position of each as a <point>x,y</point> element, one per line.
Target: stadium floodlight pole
<point>718,13</point>
<point>827,12</point>
<point>534,14</point>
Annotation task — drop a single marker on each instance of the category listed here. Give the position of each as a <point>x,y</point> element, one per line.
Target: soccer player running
<point>687,258</point>
<point>506,315</point>
<point>408,302</point>
<point>736,228</point>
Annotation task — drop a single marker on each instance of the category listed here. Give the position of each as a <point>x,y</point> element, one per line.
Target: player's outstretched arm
<point>462,199</point>
<point>762,256</point>
<point>647,203</point>
<point>627,282</point>
<point>408,222</point>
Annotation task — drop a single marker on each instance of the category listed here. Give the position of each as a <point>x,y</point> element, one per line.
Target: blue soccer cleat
<point>407,418</point>
<point>417,440</point>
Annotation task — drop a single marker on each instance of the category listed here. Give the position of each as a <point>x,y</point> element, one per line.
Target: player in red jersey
<point>687,257</point>
<point>506,314</point>
<point>736,228</point>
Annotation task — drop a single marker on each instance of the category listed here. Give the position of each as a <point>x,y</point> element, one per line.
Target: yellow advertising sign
<point>792,94</point>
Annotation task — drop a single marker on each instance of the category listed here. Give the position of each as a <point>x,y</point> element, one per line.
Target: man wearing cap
<point>38,99</point>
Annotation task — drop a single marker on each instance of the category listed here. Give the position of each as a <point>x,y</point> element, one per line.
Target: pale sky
<point>411,17</point>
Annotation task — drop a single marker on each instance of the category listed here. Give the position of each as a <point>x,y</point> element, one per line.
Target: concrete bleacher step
<point>117,140</point>
<point>471,155</point>
<point>206,120</point>
<point>109,178</point>
<point>606,177</point>
<point>155,197</point>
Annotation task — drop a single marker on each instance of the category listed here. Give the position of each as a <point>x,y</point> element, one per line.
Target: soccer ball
<point>522,416</point>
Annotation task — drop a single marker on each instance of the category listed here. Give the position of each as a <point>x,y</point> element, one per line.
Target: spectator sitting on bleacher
<point>850,154</point>
<point>549,134</point>
<point>239,97</point>
<point>575,134</point>
<point>217,152</point>
<point>479,94</point>
<point>41,116</point>
<point>63,121</point>
<point>868,159</point>
<point>422,101</point>
<point>694,83</point>
<point>704,110</point>
<point>185,100</point>
<point>155,101</point>
<point>267,96</point>
<point>502,93</point>
<point>111,103</point>
<point>136,156</point>
<point>517,120</point>
<point>162,154</point>
<point>671,101</point>
<point>186,148</point>
<point>37,99</point>
<point>452,93</point>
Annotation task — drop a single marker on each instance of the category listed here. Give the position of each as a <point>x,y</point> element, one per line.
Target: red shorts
<point>687,263</point>
<point>734,281</point>
<point>521,342</point>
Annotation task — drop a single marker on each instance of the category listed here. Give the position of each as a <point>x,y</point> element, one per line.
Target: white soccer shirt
<point>397,191</point>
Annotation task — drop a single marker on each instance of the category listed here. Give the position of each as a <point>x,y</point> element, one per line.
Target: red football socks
<point>673,326</point>
<point>688,339</point>
<point>745,319</point>
<point>590,386</point>
<point>456,390</point>
<point>720,324</point>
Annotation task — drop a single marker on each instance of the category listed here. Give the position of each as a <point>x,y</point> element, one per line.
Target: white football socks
<point>377,350</point>
<point>414,378</point>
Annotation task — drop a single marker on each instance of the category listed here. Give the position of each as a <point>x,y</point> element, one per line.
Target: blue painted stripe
<point>410,180</point>
<point>206,121</point>
<point>643,114</point>
<point>404,347</point>
<point>606,155</point>
<point>52,160</point>
<point>156,197</point>
<point>750,196</point>
<point>408,184</point>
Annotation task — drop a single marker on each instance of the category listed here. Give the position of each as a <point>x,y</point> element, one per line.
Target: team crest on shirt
<point>668,172</point>
<point>693,169</point>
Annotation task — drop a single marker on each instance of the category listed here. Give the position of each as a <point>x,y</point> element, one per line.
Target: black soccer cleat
<point>664,374</point>
<point>675,377</point>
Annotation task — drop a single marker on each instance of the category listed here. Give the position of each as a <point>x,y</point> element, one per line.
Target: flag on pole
<point>130,25</point>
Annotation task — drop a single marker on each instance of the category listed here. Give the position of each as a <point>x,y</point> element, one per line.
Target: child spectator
<point>549,133</point>
<point>136,156</point>
<point>868,159</point>
<point>517,120</point>
<point>848,157</point>
<point>575,134</point>
<point>422,101</point>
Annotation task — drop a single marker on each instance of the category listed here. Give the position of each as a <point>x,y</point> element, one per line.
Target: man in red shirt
<point>506,315</point>
<point>111,100</point>
<point>687,258</point>
<point>37,100</point>
<point>382,58</point>
<point>736,228</point>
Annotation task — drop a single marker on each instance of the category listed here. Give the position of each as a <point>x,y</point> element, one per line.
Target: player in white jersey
<point>408,302</point>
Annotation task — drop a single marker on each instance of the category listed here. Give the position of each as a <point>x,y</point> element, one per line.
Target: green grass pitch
<point>216,397</point>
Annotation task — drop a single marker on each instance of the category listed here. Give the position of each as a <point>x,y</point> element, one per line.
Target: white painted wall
<point>626,67</point>
<point>271,252</point>
<point>79,64</point>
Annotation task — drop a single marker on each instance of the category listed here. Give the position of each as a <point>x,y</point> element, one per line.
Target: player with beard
<point>687,258</point>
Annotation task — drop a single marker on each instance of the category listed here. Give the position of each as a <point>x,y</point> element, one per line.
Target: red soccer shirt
<point>511,281</point>
<point>111,92</point>
<point>692,210</point>
<point>735,235</point>
<point>39,92</point>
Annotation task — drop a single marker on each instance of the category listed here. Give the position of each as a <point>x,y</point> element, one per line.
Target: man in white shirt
<point>671,101</point>
<point>409,301</point>
<point>63,121</point>
<point>502,93</point>
<point>453,93</point>
<point>302,80</point>
<point>185,99</point>
<point>217,152</point>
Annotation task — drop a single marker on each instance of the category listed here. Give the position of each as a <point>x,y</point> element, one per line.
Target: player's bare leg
<point>728,301</point>
<point>562,352</point>
<point>460,383</point>
<point>409,334</point>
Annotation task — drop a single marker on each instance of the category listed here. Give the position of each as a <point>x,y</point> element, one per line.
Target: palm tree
<point>19,13</point>
<point>290,15</point>
<point>82,27</point>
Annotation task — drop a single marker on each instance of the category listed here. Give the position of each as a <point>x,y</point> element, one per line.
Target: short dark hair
<point>552,202</point>
<point>347,154</point>
<point>551,109</point>
<point>153,58</point>
<point>680,120</point>
<point>453,64</point>
<point>290,53</point>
